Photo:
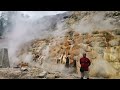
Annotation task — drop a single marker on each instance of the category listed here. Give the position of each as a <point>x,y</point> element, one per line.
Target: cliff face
<point>96,33</point>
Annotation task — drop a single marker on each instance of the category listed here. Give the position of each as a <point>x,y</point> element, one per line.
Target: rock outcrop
<point>88,31</point>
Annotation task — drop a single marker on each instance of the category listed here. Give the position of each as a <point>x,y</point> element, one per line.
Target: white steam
<point>25,30</point>
<point>39,14</point>
<point>94,21</point>
<point>101,68</point>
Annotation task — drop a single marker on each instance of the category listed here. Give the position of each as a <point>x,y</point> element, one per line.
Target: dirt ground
<point>37,73</point>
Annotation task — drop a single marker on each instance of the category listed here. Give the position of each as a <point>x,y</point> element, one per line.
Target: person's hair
<point>84,53</point>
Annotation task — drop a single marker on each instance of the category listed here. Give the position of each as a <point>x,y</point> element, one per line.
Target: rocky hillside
<point>71,34</point>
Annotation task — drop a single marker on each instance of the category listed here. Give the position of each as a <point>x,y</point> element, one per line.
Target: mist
<point>39,25</point>
<point>102,68</point>
<point>27,29</point>
<point>94,21</point>
<point>40,14</point>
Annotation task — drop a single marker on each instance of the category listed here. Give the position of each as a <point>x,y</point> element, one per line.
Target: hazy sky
<point>41,13</point>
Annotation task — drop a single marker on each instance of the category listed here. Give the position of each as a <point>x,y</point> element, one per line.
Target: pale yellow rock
<point>102,68</point>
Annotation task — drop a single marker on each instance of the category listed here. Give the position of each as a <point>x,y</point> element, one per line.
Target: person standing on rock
<point>84,69</point>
